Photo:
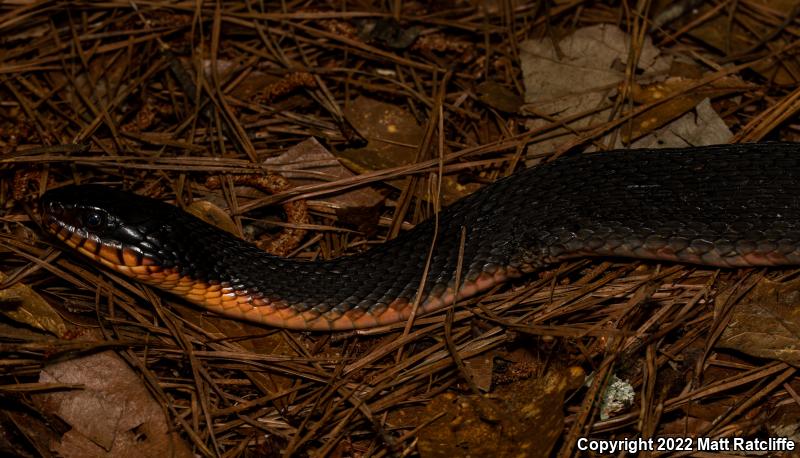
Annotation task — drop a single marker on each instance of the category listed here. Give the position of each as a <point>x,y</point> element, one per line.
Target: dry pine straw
<point>89,95</point>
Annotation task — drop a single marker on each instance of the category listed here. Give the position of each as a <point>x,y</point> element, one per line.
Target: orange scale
<point>228,304</point>
<point>196,298</point>
<point>111,254</point>
<point>73,240</point>
<point>211,294</point>
<point>306,321</point>
<point>138,269</point>
<point>184,289</point>
<point>219,300</point>
<point>89,245</point>
<point>130,257</point>
<point>252,314</point>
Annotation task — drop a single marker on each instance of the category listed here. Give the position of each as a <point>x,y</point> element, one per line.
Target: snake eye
<point>94,220</point>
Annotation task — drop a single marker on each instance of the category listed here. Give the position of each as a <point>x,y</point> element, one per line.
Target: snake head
<point>119,229</point>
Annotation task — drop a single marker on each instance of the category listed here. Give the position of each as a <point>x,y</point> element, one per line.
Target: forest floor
<point>378,114</point>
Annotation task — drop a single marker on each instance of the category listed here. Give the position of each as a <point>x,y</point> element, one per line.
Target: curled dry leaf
<point>212,214</point>
<point>24,305</point>
<point>582,74</point>
<point>766,322</point>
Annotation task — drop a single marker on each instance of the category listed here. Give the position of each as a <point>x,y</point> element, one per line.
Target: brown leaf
<point>784,421</point>
<point>113,416</point>
<point>309,162</point>
<point>578,75</point>
<point>685,425</point>
<point>525,419</point>
<point>16,422</point>
<point>737,37</point>
<point>481,368</point>
<point>393,134</point>
<point>388,32</point>
<point>700,126</point>
<point>766,322</point>
<point>24,305</point>
<point>212,214</point>
<point>662,114</point>
<point>586,66</point>
<point>498,97</point>
<point>394,137</point>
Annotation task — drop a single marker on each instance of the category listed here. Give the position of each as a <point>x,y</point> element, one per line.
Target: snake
<point>725,206</point>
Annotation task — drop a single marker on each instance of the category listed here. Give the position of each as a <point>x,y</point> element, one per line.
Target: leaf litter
<point>360,109</point>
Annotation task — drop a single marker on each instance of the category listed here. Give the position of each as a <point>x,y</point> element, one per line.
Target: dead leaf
<point>685,425</point>
<point>289,238</point>
<point>784,421</point>
<point>114,415</point>
<point>24,305</point>
<point>582,70</point>
<point>524,419</point>
<point>309,162</point>
<point>587,67</point>
<point>100,83</point>
<point>766,322</point>
<point>498,97</point>
<point>481,368</point>
<point>579,75</point>
<point>394,137</point>
<point>701,127</point>
<point>393,134</point>
<point>662,114</point>
<point>743,36</point>
<point>213,214</point>
<point>23,430</point>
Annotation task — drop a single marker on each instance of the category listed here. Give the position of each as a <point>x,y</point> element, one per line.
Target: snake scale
<point>724,206</point>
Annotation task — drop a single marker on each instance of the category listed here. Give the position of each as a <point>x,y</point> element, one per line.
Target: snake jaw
<point>80,240</point>
<point>90,220</point>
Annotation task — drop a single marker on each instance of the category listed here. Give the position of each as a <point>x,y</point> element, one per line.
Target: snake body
<point>725,206</point>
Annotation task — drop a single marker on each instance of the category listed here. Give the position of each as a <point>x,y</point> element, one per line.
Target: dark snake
<point>724,206</point>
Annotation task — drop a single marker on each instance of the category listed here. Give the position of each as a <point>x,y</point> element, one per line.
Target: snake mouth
<point>111,255</point>
<point>88,245</point>
<point>58,222</point>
